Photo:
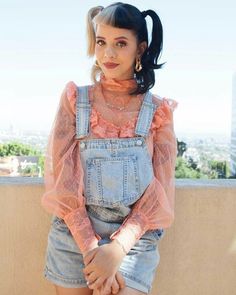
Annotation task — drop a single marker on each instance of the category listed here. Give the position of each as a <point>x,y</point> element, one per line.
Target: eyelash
<point>121,42</point>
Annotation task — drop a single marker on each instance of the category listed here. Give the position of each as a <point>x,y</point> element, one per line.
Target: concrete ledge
<point>185,182</point>
<point>21,180</point>
<point>198,252</point>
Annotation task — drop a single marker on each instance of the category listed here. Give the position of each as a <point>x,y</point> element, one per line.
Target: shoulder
<point>72,91</point>
<point>164,110</point>
<point>164,102</point>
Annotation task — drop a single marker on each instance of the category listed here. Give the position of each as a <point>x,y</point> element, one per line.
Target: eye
<point>100,42</point>
<point>121,44</point>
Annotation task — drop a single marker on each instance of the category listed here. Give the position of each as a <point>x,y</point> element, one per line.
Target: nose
<point>110,52</point>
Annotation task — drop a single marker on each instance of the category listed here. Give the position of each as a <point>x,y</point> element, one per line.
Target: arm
<point>155,209</point>
<point>63,176</point>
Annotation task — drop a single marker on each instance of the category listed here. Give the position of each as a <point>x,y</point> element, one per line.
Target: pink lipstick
<point>110,65</point>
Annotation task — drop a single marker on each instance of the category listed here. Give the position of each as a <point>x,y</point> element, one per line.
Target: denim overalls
<point>116,173</point>
<point>116,170</point>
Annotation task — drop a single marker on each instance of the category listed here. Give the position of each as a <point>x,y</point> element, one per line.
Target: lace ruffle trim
<point>104,128</point>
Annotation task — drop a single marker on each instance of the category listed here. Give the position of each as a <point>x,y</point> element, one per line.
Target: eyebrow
<point>121,37</point>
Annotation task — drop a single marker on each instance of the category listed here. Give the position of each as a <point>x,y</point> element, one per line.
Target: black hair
<point>126,16</point>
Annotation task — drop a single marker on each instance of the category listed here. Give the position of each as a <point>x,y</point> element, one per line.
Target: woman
<point>110,163</point>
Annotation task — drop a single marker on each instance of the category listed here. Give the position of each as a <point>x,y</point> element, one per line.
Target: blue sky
<point>43,46</point>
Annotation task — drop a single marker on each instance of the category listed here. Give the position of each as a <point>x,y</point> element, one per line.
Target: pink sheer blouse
<point>64,186</point>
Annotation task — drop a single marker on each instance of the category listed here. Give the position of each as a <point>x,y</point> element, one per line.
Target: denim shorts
<point>64,261</point>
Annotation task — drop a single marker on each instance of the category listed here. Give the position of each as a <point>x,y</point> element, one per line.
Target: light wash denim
<point>116,173</point>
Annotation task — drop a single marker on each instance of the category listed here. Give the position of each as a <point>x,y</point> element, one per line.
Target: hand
<point>112,285</point>
<point>102,263</point>
<point>113,288</point>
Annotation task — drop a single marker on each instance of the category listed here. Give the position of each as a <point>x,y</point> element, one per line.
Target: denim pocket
<point>113,180</point>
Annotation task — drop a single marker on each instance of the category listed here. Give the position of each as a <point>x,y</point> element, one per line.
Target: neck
<point>125,86</point>
<point>116,93</point>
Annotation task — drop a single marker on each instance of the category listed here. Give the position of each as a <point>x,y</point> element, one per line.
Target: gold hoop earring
<point>138,66</point>
<point>96,63</point>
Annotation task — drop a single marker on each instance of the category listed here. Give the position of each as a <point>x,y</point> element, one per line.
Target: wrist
<point>119,246</point>
<point>90,249</point>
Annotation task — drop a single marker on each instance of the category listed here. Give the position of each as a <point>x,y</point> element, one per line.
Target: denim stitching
<point>83,110</point>
<point>88,178</point>
<point>135,162</point>
<point>117,143</point>
<point>135,279</point>
<point>125,179</point>
<point>145,115</point>
<point>98,169</point>
<point>138,129</point>
<point>97,180</point>
<point>57,276</point>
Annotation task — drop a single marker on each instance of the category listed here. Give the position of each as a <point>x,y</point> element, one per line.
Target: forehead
<point>108,31</point>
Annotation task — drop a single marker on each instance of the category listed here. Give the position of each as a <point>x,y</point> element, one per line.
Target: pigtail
<point>91,37</point>
<point>155,47</point>
<point>146,77</point>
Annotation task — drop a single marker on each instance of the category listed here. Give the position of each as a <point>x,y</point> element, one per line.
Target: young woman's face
<point>116,51</point>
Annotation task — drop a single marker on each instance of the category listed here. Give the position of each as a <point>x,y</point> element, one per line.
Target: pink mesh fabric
<point>63,170</point>
<point>63,177</point>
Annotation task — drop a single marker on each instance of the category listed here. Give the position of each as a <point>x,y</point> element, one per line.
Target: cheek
<point>130,56</point>
<point>98,51</point>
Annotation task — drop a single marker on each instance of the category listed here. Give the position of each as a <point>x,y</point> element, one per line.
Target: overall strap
<point>83,109</point>
<point>145,115</point>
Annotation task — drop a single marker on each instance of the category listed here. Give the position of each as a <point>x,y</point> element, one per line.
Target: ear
<point>141,48</point>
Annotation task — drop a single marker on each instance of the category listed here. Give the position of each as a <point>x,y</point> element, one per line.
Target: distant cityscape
<point>34,138</point>
<point>210,146</point>
<point>38,140</point>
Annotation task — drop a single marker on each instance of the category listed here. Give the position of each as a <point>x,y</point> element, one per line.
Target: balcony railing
<point>198,252</point>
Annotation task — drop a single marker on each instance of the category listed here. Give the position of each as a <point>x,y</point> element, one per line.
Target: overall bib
<point>116,173</point>
<point>116,170</point>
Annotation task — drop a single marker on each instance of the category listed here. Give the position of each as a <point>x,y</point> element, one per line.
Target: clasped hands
<point>101,268</point>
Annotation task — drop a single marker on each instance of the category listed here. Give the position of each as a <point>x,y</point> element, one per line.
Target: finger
<point>107,286</point>
<point>88,269</point>
<point>91,277</point>
<point>99,291</point>
<point>97,284</point>
<point>120,279</point>
<point>115,286</point>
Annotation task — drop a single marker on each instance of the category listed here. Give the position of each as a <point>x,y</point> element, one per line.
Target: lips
<point>110,65</point>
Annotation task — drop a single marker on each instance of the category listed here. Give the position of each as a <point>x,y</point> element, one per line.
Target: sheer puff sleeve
<point>63,173</point>
<point>155,209</point>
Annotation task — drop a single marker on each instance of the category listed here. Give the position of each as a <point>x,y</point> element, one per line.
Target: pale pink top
<point>64,186</point>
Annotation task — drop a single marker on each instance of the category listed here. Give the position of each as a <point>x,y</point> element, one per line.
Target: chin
<point>120,75</point>
<point>111,75</point>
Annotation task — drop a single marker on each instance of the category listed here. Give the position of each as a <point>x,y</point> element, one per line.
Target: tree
<point>15,148</point>
<point>218,169</point>
<point>184,170</point>
<point>182,147</point>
